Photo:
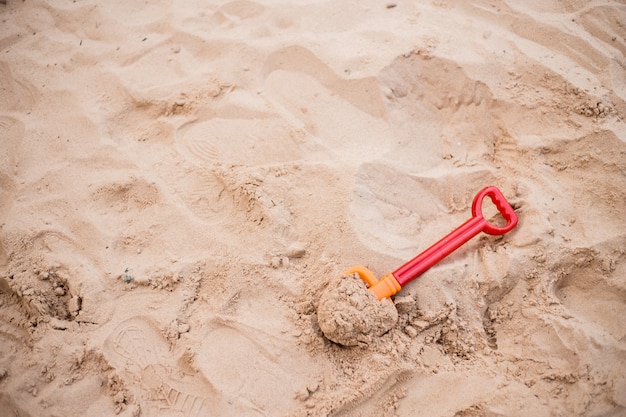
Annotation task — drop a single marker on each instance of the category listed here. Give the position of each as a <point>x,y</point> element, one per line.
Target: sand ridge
<point>179,182</point>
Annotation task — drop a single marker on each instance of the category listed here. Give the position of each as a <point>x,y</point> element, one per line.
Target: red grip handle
<point>501,204</point>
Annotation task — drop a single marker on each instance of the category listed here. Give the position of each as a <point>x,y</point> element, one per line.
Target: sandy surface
<point>180,180</point>
<point>350,315</point>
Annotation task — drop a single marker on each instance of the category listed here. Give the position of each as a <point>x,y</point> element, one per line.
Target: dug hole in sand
<point>179,181</point>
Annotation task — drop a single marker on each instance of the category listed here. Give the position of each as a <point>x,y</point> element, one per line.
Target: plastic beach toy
<point>393,282</point>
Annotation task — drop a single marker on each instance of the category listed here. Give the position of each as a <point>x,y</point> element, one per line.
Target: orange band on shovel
<point>384,288</point>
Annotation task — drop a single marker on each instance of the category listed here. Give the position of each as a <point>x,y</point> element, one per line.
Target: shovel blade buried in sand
<point>394,281</point>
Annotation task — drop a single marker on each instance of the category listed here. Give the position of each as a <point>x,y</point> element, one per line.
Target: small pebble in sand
<point>275,262</point>
<point>350,315</point>
<point>119,398</point>
<point>183,328</point>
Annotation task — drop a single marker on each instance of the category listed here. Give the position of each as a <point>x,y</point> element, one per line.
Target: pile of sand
<point>350,315</point>
<point>179,181</point>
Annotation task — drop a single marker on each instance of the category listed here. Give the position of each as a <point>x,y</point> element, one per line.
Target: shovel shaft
<point>444,247</point>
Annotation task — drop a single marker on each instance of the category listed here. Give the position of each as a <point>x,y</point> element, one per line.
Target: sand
<point>350,315</point>
<point>179,181</point>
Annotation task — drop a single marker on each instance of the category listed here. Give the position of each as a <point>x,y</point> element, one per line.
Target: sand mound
<point>349,314</point>
<point>179,181</point>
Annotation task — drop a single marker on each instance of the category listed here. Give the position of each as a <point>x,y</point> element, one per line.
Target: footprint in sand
<point>211,186</point>
<point>234,342</point>
<point>139,351</point>
<point>343,116</point>
<point>587,46</point>
<point>397,213</point>
<point>250,142</point>
<point>137,13</point>
<point>231,350</point>
<point>11,132</point>
<point>244,337</point>
<point>16,95</point>
<point>11,407</point>
<point>593,294</point>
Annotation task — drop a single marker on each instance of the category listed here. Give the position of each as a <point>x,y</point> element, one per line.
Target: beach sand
<point>180,180</point>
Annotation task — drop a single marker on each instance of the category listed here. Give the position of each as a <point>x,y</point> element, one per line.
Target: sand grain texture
<point>350,315</point>
<point>179,182</point>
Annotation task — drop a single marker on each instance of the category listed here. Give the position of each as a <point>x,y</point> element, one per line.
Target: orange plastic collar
<point>384,288</point>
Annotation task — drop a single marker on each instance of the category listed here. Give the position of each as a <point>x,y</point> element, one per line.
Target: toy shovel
<point>393,282</point>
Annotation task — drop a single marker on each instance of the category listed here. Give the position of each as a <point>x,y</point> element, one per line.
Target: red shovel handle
<point>392,283</point>
<point>425,260</point>
<point>501,204</point>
